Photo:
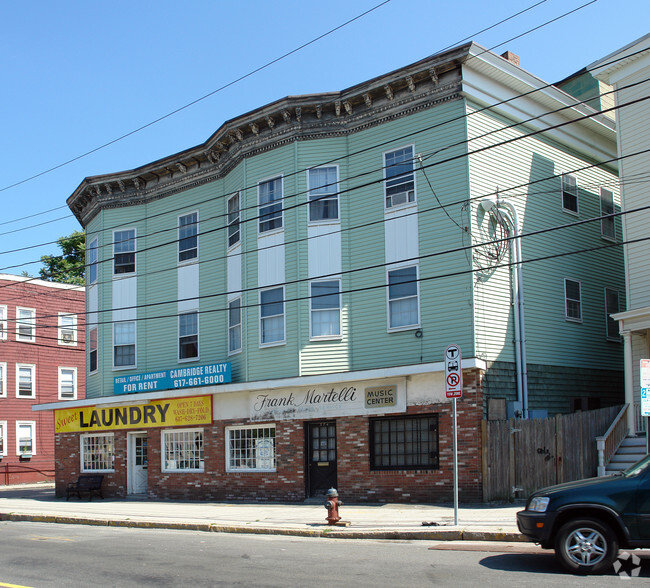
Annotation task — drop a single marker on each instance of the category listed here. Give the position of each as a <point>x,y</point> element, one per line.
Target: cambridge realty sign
<point>186,377</point>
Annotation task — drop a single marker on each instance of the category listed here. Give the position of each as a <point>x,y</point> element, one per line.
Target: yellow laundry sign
<point>173,412</point>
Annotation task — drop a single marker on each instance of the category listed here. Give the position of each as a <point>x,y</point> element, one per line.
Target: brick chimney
<point>511,57</point>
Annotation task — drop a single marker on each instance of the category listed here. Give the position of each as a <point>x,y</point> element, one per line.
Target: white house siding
<point>634,126</point>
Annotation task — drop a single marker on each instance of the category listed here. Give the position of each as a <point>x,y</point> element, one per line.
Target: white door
<point>138,463</point>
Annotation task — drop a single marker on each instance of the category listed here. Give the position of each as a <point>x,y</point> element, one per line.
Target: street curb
<point>326,532</point>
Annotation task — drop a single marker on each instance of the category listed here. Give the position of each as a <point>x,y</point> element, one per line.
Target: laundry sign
<point>174,412</point>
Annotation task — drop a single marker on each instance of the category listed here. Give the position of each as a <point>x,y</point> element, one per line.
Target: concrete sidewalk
<point>373,521</point>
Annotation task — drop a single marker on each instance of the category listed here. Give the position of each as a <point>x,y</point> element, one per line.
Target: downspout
<point>512,223</point>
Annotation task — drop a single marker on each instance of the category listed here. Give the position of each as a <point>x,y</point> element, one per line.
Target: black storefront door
<point>320,439</point>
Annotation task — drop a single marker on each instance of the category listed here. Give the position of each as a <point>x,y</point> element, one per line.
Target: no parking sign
<point>453,372</point>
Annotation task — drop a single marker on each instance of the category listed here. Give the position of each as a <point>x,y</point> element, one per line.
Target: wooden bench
<point>89,484</point>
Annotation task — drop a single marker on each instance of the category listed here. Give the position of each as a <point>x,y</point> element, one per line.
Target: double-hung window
<point>611,307</point>
<point>404,443</point>
<point>92,350</point>
<point>188,335</point>
<point>25,438</point>
<point>92,261</point>
<point>188,246</point>
<point>182,450</point>
<point>67,383</point>
<point>607,225</point>
<point>272,316</point>
<point>67,329</point>
<point>234,326</point>
<point>25,324</point>
<point>269,195</point>
<point>569,193</point>
<point>250,448</point>
<point>124,252</point>
<point>234,213</point>
<point>124,334</point>
<point>572,300</point>
<point>3,380</point>
<point>97,452</point>
<point>403,305</point>
<point>3,322</point>
<point>399,183</point>
<point>323,193</point>
<point>325,298</point>
<point>25,385</point>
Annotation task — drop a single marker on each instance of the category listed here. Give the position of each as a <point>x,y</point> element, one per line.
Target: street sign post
<point>644,373</point>
<point>454,390</point>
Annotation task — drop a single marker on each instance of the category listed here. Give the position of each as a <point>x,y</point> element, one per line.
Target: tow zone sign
<point>453,372</point>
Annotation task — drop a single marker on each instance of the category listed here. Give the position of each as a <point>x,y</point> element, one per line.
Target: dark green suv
<point>587,521</point>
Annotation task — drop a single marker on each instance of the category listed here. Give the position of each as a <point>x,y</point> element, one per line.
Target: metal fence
<point>521,456</point>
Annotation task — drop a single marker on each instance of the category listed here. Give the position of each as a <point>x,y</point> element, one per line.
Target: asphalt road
<point>41,555</point>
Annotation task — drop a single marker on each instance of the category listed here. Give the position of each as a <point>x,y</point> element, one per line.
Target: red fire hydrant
<point>332,505</point>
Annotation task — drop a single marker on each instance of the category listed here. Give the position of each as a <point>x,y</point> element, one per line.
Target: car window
<point>638,467</point>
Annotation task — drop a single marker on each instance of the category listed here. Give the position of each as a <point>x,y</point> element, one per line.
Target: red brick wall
<point>47,355</point>
<point>356,482</point>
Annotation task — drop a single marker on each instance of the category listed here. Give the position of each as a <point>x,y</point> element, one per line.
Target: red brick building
<point>41,360</point>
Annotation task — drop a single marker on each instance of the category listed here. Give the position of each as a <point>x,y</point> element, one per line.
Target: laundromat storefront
<point>374,440</point>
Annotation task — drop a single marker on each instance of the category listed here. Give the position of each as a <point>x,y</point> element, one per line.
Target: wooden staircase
<point>631,450</point>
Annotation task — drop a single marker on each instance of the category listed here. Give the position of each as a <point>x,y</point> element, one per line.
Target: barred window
<point>182,450</point>
<point>404,443</point>
<point>97,453</point>
<point>250,448</point>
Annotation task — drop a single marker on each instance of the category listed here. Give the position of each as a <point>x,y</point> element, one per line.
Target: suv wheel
<point>586,546</point>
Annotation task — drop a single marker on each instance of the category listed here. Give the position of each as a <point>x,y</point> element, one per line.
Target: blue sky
<point>79,74</point>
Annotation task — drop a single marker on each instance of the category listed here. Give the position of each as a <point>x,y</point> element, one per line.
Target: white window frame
<point>609,311</point>
<point>3,438</point>
<point>572,319</point>
<point>28,321</point>
<point>165,440</point>
<point>313,312</point>
<point>389,300</point>
<point>32,426</point>
<point>411,195</point>
<point>262,462</point>
<point>570,190</point>
<point>3,379</point>
<point>234,327</point>
<point>32,368</point>
<point>117,250</point>
<point>3,322</point>
<point>92,349</point>
<point>270,205</point>
<point>67,334</point>
<point>281,341</point>
<point>110,453</point>
<point>328,193</point>
<point>194,235</point>
<point>233,236</point>
<point>607,225</point>
<point>62,381</point>
<point>195,334</point>
<point>93,266</point>
<point>135,346</point>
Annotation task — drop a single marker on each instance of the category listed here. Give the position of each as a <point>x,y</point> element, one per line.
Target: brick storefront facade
<point>355,479</point>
